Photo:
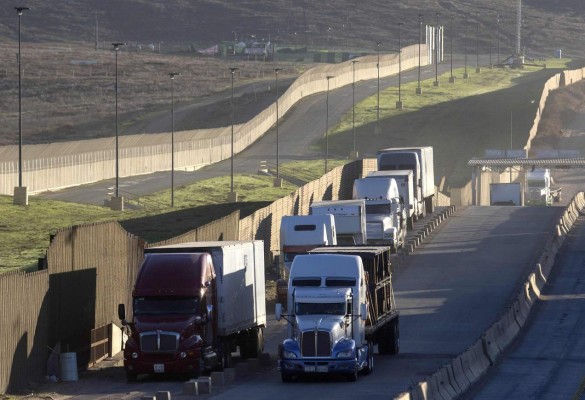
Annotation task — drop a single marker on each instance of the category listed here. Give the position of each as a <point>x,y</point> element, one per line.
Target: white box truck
<point>350,219</point>
<point>385,215</point>
<point>420,161</point>
<point>193,304</point>
<point>340,305</point>
<point>538,188</point>
<point>405,181</point>
<point>506,194</point>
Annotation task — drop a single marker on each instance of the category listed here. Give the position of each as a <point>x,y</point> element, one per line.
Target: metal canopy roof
<point>527,162</point>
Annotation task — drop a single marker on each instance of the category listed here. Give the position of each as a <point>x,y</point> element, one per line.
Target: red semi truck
<point>193,305</point>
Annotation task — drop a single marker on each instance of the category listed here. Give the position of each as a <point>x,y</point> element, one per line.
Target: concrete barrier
<point>191,388</point>
<point>163,395</point>
<point>421,391</point>
<point>446,388</point>
<point>508,329</point>
<point>490,342</point>
<point>217,379</point>
<point>475,362</point>
<point>403,396</point>
<point>204,385</point>
<point>229,375</point>
<point>461,378</point>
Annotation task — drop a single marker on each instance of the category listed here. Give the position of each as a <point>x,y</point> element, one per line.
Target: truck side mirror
<point>121,312</point>
<point>209,312</point>
<point>363,311</point>
<point>278,311</point>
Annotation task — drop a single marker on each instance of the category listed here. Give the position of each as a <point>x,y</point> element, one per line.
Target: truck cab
<point>538,188</point>
<point>385,211</point>
<point>350,219</point>
<point>327,311</point>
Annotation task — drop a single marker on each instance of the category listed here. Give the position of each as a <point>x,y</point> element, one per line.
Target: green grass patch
<point>25,231</point>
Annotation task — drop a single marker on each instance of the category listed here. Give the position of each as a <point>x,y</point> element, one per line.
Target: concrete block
<point>217,379</point>
<point>163,395</point>
<point>242,370</point>
<point>148,398</point>
<point>253,364</point>
<point>204,385</point>
<point>20,196</point>
<point>191,388</point>
<point>117,203</point>
<point>229,375</point>
<point>264,360</point>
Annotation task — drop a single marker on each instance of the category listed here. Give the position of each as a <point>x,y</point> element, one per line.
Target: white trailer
<point>350,219</point>
<point>405,182</point>
<point>506,194</point>
<point>417,159</point>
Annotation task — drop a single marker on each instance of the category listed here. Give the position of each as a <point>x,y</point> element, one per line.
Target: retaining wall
<point>58,165</point>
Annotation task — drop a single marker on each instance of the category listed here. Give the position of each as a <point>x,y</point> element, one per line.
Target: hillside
<point>176,24</point>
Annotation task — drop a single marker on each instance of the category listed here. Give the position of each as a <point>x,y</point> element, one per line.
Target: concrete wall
<point>59,165</point>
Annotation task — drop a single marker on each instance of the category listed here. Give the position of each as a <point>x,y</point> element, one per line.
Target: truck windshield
<point>536,184</point>
<point>320,308</point>
<point>378,209</point>
<point>289,257</point>
<point>165,305</point>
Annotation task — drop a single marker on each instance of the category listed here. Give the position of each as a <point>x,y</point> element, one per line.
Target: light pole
<point>354,153</point>
<point>277,181</point>
<point>477,68</point>
<point>452,33</point>
<point>498,35</point>
<point>327,123</point>
<point>436,83</point>
<point>399,102</point>
<point>465,74</point>
<point>232,196</point>
<point>172,76</point>
<point>418,88</point>
<point>378,103</point>
<point>20,192</point>
<point>118,202</point>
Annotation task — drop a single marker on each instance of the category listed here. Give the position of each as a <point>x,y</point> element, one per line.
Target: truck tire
<point>286,378</point>
<point>409,223</point>
<point>131,377</point>
<point>393,337</point>
<point>352,377</point>
<point>370,367</point>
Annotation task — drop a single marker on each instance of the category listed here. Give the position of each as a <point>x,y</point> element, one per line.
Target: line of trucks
<point>195,304</point>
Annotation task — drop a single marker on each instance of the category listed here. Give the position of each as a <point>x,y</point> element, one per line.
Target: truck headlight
<point>135,355</point>
<point>183,354</point>
<point>345,354</point>
<point>288,354</point>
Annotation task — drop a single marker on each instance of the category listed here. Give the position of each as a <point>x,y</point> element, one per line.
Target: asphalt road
<point>298,129</point>
<point>549,361</point>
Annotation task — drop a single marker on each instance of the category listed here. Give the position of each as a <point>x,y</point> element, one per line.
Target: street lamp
<point>498,35</point>
<point>436,83</point>
<point>327,123</point>
<point>378,103</point>
<point>465,74</point>
<point>452,33</point>
<point>172,76</point>
<point>232,196</point>
<point>20,192</point>
<point>399,102</point>
<point>354,153</point>
<point>418,88</point>
<point>477,68</point>
<point>277,181</point>
<point>118,202</point>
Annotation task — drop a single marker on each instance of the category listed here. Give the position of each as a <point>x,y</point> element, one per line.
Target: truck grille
<point>374,230</point>
<point>159,342</point>
<point>323,344</point>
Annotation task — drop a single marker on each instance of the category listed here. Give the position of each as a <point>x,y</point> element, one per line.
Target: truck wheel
<point>409,223</point>
<point>131,377</point>
<point>393,337</point>
<point>286,378</point>
<point>370,367</point>
<point>352,377</point>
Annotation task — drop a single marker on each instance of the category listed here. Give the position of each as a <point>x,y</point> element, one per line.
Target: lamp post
<point>418,88</point>
<point>117,202</point>
<point>378,102</point>
<point>477,68</point>
<point>452,33</point>
<point>172,76</point>
<point>465,74</point>
<point>498,35</point>
<point>327,123</point>
<point>277,181</point>
<point>232,196</point>
<point>20,192</point>
<point>354,153</point>
<point>436,83</point>
<point>399,102</point>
